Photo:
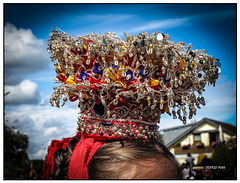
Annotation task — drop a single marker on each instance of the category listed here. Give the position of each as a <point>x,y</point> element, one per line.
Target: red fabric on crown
<point>83,153</point>
<point>49,159</point>
<point>81,156</point>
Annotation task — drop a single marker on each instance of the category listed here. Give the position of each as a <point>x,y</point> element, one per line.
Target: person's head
<point>128,160</point>
<point>207,171</point>
<point>188,154</point>
<point>133,160</point>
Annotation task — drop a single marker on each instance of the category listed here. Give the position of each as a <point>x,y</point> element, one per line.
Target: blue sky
<point>29,72</point>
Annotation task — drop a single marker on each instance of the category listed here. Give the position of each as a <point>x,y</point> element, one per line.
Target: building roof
<point>174,134</point>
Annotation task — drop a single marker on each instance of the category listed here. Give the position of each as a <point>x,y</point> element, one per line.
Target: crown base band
<point>121,128</point>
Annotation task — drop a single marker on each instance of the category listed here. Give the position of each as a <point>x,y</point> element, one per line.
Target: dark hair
<point>62,159</point>
<point>114,159</point>
<point>207,162</point>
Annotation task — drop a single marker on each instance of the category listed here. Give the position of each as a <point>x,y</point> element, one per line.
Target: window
<point>214,137</point>
<point>197,138</point>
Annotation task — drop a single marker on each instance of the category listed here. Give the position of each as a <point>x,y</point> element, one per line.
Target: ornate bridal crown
<point>125,85</point>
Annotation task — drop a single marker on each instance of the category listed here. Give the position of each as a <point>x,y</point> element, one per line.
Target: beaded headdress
<point>123,86</point>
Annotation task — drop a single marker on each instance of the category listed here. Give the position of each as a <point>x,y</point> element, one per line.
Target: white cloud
<point>51,122</point>
<point>52,131</point>
<point>42,124</point>
<point>159,24</point>
<point>38,155</point>
<point>105,18</point>
<point>182,21</point>
<point>24,53</point>
<point>23,93</point>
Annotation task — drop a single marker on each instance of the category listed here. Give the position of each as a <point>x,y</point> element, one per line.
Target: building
<point>196,138</point>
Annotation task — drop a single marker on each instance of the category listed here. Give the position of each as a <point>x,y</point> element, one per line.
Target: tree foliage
<point>38,165</point>
<point>227,158</point>
<point>15,152</point>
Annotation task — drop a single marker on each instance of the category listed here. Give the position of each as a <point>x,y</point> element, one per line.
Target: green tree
<point>38,165</point>
<point>227,158</point>
<point>15,152</point>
